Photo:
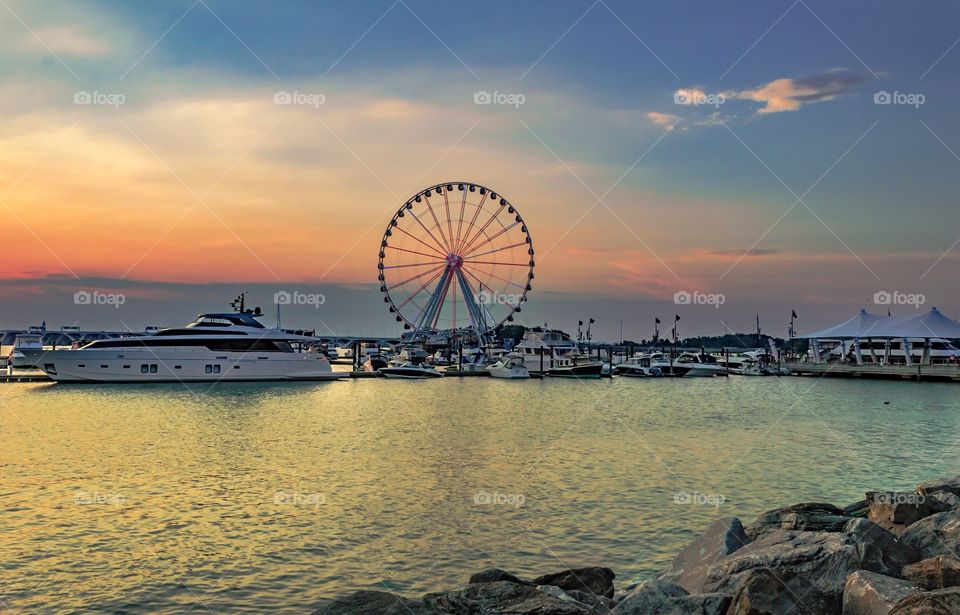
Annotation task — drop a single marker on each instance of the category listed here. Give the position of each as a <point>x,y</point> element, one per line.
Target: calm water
<point>247,498</point>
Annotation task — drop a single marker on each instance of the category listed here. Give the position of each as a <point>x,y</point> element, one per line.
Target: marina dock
<point>920,373</point>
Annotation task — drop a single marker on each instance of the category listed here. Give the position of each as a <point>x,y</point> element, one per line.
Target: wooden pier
<point>918,373</point>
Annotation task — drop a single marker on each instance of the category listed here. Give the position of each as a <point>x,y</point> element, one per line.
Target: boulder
<point>897,510</point>
<point>762,591</point>
<point>879,551</point>
<point>935,572</point>
<point>700,604</point>
<point>721,538</point>
<point>857,509</point>
<point>600,604</point>
<point>489,575</point>
<point>594,580</point>
<point>946,485</point>
<point>791,564</point>
<point>809,516</point>
<point>938,534</point>
<point>949,501</point>
<point>937,602</point>
<point>502,597</point>
<point>869,593</point>
<point>648,597</point>
<point>366,601</point>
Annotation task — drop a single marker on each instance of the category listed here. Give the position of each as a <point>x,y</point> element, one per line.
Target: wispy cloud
<point>666,120</point>
<point>68,40</point>
<point>790,94</point>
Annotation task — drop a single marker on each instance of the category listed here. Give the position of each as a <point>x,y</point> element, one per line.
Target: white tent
<point>863,324</point>
<point>927,326</point>
<point>931,324</point>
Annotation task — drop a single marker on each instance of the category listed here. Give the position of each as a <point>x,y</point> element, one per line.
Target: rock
<point>366,601</point>
<point>938,534</point>
<point>935,572</point>
<point>700,604</point>
<point>948,500</point>
<point>896,510</point>
<point>648,597</point>
<point>600,604</point>
<point>810,516</point>
<point>594,580</point>
<point>489,575</point>
<point>937,602</point>
<point>762,591</point>
<point>879,551</point>
<point>869,593</point>
<point>817,563</point>
<point>502,597</point>
<point>721,538</point>
<point>857,509</point>
<point>946,485</point>
<point>558,593</point>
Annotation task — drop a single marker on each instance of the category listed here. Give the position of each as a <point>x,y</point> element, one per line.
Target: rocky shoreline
<point>894,553</point>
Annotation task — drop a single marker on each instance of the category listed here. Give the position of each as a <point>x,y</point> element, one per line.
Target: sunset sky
<point>185,182</point>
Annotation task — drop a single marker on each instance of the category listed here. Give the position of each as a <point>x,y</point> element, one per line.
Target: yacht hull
<point>410,373</point>
<point>589,370</point>
<point>185,365</point>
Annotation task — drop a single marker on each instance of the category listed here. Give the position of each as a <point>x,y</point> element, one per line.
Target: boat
<point>410,370</point>
<point>638,367</point>
<point>511,366</point>
<point>214,347</point>
<point>552,352</point>
<point>695,365</point>
<point>567,368</point>
<point>26,350</point>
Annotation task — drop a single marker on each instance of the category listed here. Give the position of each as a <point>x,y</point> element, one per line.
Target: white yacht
<point>510,366</point>
<point>26,349</point>
<point>639,366</point>
<point>214,347</point>
<point>690,365</point>
<point>551,352</point>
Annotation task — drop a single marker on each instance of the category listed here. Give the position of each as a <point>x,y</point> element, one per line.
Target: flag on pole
<point>676,318</point>
<point>656,320</point>
<point>793,314</point>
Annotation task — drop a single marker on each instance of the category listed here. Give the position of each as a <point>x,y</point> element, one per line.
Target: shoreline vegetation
<point>893,552</point>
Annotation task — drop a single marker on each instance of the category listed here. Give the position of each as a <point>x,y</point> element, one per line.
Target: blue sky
<point>698,192</point>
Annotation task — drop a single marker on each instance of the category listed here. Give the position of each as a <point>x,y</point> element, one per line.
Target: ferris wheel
<point>456,255</point>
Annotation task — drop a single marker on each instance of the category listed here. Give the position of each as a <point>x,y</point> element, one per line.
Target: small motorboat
<point>411,370</point>
<point>565,368</point>
<point>638,367</point>
<point>510,366</point>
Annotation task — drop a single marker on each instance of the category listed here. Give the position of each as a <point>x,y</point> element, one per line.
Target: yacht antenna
<point>238,303</point>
